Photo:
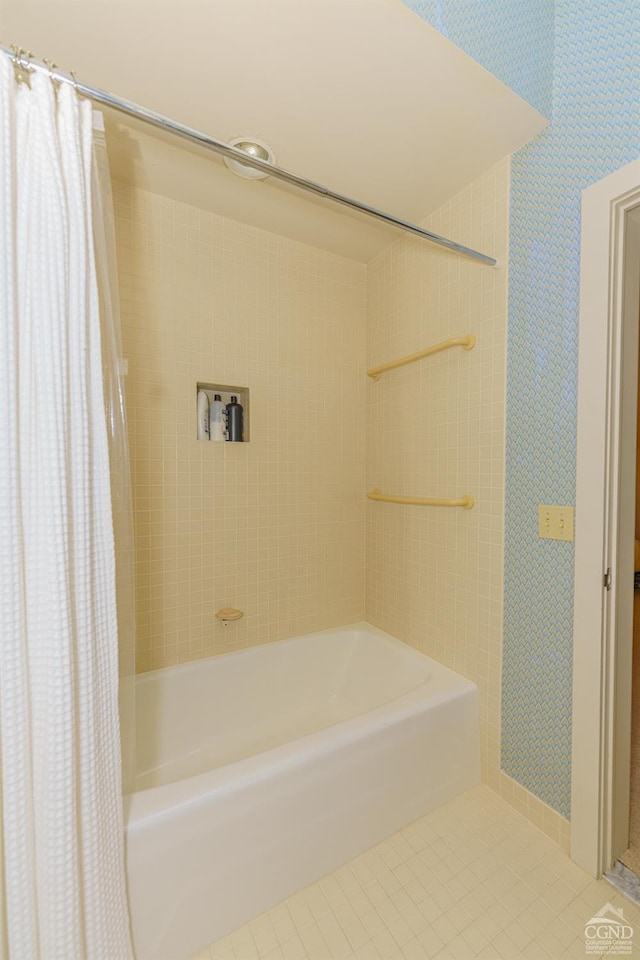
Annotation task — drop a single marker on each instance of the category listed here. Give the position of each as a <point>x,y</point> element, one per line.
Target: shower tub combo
<point>261,771</point>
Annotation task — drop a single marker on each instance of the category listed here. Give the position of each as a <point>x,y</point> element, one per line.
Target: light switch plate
<point>555,523</point>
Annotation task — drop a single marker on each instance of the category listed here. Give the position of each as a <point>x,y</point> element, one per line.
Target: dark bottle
<point>235,421</point>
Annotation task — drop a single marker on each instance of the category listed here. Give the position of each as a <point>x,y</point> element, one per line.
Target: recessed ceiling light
<point>254,148</point>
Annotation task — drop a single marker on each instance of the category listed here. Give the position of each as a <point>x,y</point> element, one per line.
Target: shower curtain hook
<point>52,66</point>
<point>75,80</point>
<point>18,68</point>
<point>29,68</point>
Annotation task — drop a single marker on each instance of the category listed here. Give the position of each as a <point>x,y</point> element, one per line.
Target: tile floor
<point>471,879</point>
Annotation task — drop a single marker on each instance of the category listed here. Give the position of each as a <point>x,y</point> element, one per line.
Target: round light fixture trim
<point>254,148</point>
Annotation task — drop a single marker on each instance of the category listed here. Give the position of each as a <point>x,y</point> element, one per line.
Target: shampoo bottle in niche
<point>235,420</point>
<point>217,418</point>
<point>203,415</point>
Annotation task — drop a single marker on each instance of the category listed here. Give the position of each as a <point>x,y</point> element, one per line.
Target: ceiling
<point>360,95</point>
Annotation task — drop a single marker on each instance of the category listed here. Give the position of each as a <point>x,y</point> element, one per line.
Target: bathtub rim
<point>360,625</point>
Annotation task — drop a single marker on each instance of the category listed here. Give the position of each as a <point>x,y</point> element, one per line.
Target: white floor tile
<point>473,879</point>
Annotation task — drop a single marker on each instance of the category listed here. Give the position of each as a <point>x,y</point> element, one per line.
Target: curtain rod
<point>26,63</point>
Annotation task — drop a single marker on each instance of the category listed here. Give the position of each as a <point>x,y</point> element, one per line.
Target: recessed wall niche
<point>222,412</point>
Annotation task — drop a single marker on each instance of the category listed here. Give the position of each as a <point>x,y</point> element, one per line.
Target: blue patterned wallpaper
<point>513,39</point>
<point>595,129</point>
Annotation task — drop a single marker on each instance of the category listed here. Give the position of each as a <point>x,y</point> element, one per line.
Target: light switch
<point>555,523</point>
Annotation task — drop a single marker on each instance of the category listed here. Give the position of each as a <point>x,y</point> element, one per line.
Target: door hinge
<point>606,580</point>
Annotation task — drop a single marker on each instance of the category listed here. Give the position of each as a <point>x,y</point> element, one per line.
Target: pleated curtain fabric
<point>62,878</point>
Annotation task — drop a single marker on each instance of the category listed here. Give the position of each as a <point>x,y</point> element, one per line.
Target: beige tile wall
<point>274,526</point>
<point>436,428</point>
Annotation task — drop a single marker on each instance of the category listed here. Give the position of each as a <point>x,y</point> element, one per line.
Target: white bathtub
<point>261,771</point>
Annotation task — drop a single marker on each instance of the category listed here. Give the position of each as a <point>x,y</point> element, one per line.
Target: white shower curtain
<point>62,881</point>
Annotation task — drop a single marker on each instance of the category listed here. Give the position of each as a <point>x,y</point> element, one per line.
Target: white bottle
<point>203,415</point>
<point>216,418</point>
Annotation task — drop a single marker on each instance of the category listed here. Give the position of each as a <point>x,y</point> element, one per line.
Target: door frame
<point>605,487</point>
